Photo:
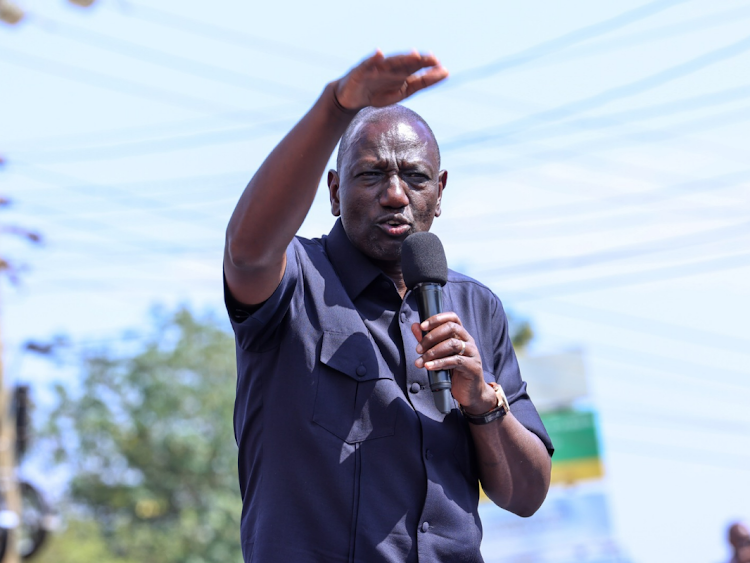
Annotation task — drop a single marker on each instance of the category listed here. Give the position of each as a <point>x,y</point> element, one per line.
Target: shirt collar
<point>355,270</point>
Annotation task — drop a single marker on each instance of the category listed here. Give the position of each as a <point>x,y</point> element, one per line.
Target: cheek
<point>425,206</point>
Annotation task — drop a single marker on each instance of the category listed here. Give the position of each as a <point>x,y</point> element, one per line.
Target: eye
<point>369,174</point>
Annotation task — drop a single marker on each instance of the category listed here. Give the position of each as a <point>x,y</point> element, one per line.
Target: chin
<point>384,252</point>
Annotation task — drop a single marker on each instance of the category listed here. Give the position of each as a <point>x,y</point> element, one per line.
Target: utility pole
<point>10,514</point>
<point>10,496</point>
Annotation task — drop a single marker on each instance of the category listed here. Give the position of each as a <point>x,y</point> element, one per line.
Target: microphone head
<point>423,260</point>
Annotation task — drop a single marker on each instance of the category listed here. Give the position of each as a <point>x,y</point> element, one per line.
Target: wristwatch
<point>499,411</point>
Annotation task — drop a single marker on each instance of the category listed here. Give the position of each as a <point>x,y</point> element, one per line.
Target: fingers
<point>380,81</point>
<point>453,354</point>
<point>438,320</point>
<point>407,64</point>
<point>374,60</point>
<point>425,80</point>
<point>446,344</point>
<point>410,85</point>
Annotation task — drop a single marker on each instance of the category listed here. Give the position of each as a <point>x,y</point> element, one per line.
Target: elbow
<point>527,510</point>
<point>526,497</point>
<point>242,254</point>
<point>526,505</point>
<point>535,491</point>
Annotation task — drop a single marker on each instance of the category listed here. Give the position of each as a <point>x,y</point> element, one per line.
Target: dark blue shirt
<point>342,454</point>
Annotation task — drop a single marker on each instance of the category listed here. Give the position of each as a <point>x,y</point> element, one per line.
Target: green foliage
<point>150,442</point>
<point>521,333</point>
<point>80,542</point>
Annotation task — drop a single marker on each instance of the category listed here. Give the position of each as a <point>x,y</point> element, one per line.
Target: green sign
<point>573,435</point>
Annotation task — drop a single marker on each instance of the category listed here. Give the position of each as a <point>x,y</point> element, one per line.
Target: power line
<point>51,143</point>
<point>165,144</point>
<point>630,117</point>
<point>233,37</point>
<point>640,38</point>
<point>179,63</point>
<point>191,140</point>
<point>633,416</point>
<point>576,150</point>
<point>646,325</point>
<point>585,104</point>
<point>681,454</point>
<point>629,251</point>
<point>723,381</point>
<point>572,211</point>
<point>562,42</point>
<point>707,236</point>
<point>695,268</point>
<point>115,84</point>
<point>188,211</point>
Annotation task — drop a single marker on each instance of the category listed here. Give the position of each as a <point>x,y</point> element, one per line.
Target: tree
<point>521,332</point>
<point>81,542</point>
<point>148,439</point>
<point>150,443</point>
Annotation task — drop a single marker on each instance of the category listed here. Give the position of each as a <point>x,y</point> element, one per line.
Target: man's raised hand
<point>381,81</point>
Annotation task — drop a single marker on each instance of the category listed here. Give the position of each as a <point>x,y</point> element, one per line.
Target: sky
<point>598,183</point>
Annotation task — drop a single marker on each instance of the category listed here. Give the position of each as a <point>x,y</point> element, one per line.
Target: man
<point>739,539</point>
<point>343,455</point>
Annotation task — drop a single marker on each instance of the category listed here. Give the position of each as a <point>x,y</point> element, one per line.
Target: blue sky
<point>598,157</point>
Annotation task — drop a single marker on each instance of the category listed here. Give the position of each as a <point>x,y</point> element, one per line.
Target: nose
<point>394,194</point>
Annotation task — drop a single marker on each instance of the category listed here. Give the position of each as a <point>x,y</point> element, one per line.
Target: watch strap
<point>493,414</point>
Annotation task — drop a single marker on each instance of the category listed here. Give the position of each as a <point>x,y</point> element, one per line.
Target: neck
<point>393,271</point>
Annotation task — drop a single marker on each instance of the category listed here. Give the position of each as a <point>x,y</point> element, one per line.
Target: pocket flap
<point>352,354</point>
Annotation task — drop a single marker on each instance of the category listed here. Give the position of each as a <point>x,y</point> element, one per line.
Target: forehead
<point>387,137</point>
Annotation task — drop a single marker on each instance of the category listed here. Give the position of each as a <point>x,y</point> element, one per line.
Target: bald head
<point>739,535</point>
<point>392,114</point>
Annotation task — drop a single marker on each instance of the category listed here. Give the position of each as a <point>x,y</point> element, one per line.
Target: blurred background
<point>598,155</point>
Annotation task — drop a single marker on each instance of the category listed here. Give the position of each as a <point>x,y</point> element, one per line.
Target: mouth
<point>395,225</point>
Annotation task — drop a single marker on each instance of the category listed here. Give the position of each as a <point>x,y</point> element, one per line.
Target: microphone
<point>425,272</point>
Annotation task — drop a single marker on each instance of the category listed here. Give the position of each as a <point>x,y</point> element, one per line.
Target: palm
<point>379,81</point>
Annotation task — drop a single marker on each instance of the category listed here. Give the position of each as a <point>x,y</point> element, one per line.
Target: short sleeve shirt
<point>343,455</point>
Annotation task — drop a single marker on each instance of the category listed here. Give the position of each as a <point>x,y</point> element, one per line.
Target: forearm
<point>514,465</point>
<point>278,197</point>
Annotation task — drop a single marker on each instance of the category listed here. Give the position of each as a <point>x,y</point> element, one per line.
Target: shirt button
<point>425,526</point>
<point>428,454</point>
<point>403,317</point>
<point>361,370</point>
<point>415,387</point>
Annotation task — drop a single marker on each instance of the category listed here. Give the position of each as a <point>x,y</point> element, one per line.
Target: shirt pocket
<point>357,396</point>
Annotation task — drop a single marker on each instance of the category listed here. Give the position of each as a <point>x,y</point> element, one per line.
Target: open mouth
<point>395,227</point>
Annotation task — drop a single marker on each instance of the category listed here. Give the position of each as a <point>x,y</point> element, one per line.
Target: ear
<point>333,190</point>
<point>442,182</point>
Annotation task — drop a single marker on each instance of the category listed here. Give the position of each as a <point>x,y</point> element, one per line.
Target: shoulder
<point>310,256</point>
<point>461,285</point>
<point>472,299</point>
<point>466,282</point>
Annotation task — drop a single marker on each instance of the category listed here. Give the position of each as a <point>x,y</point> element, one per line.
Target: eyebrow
<point>380,162</point>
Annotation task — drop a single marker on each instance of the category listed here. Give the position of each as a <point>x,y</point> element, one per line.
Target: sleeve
<point>507,373</point>
<point>256,326</point>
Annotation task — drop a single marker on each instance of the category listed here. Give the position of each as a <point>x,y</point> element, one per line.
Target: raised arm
<point>278,197</point>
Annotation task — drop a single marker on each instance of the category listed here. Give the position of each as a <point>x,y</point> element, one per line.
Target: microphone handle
<point>430,302</point>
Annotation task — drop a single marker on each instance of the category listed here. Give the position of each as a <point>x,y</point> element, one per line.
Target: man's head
<point>739,537</point>
<point>388,183</point>
<point>370,114</point>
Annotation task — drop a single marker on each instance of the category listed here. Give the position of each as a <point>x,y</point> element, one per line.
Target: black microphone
<point>425,272</point>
